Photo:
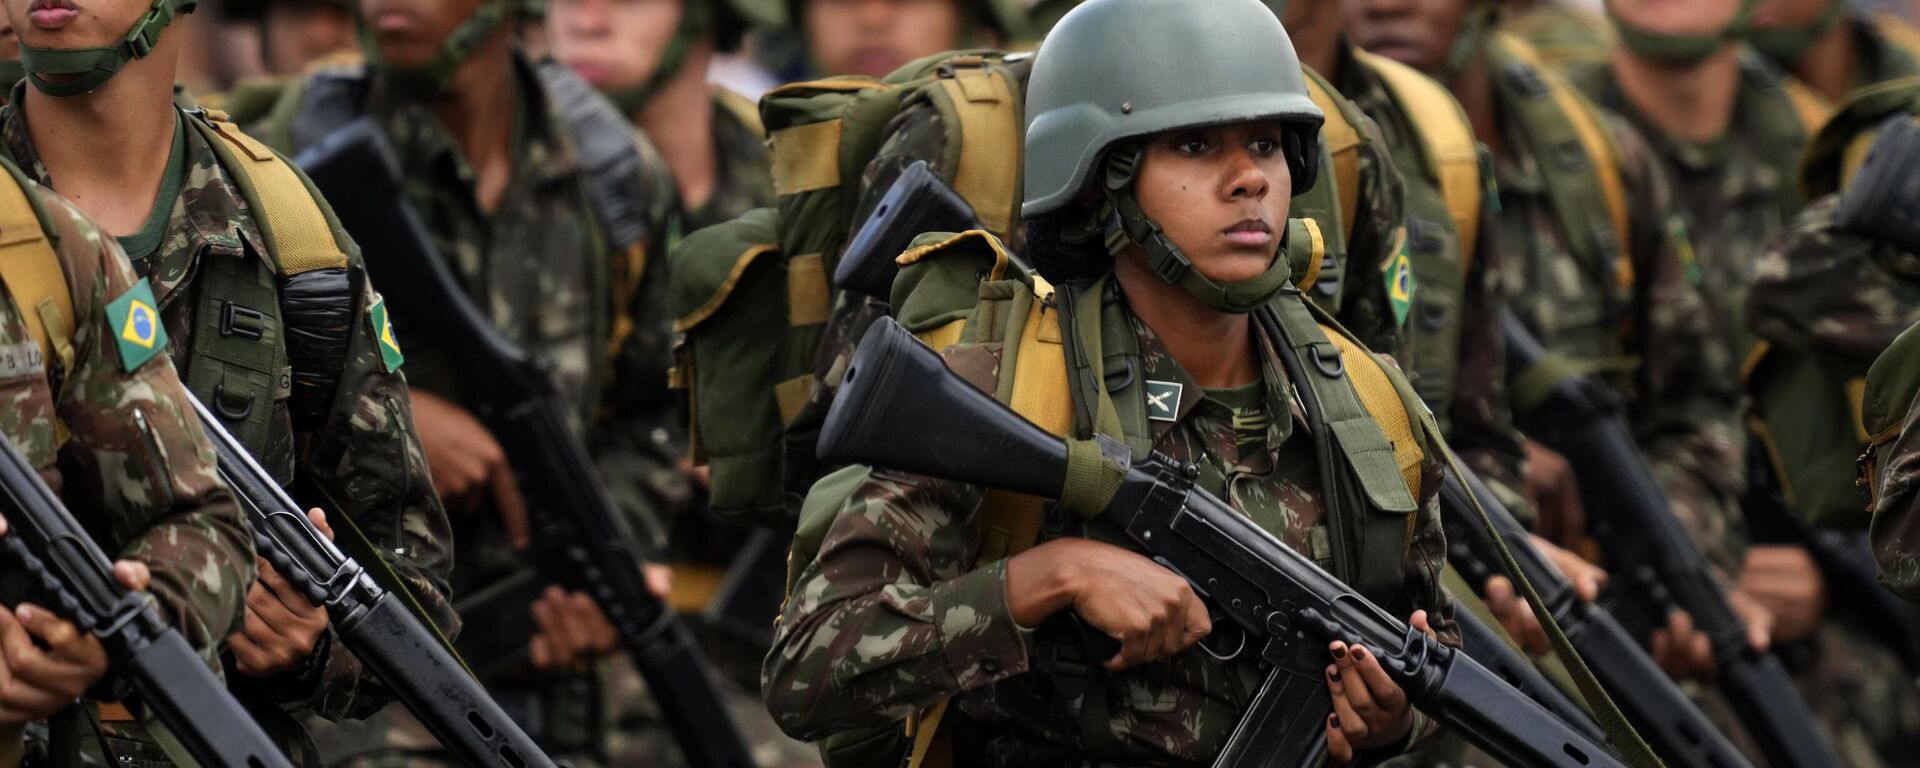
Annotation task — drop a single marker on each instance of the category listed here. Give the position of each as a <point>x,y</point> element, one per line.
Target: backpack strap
<point>1341,138</point>
<point>1446,138</point>
<point>742,109</point>
<point>985,106</point>
<point>1561,125</point>
<point>302,235</point>
<point>1811,109</point>
<point>34,279</point>
<point>610,157</point>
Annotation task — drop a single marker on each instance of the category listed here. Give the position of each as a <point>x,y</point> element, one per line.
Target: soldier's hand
<point>468,466</point>
<point>1555,495</point>
<point>1149,610</point>
<point>572,631</point>
<point>1517,617</point>
<point>1369,709</point>
<point>281,627</point>
<point>1686,653</point>
<point>37,680</point>
<point>1786,581</point>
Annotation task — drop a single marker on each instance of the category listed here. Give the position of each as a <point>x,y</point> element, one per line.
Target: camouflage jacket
<point>892,615</point>
<point>1379,238</point>
<point>136,470</point>
<point>1896,509</point>
<point>360,458</point>
<point>744,174</point>
<point>1458,314</point>
<point>540,266</point>
<point>1827,303</point>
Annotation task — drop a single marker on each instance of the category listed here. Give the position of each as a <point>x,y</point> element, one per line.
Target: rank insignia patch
<point>1163,400</point>
<point>137,330</point>
<point>383,331</point>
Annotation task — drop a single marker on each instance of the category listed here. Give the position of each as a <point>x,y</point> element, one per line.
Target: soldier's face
<point>612,43</point>
<point>1417,33</point>
<point>875,37</point>
<point>9,42</point>
<point>411,32</point>
<point>297,33</point>
<point>1676,17</point>
<point>66,24</point>
<point>1221,194</point>
<point>1772,14</point>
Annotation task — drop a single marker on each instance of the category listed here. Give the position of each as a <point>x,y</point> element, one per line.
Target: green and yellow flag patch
<point>134,319</point>
<point>383,332</point>
<point>1399,275</point>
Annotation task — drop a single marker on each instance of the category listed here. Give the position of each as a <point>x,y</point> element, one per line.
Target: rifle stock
<point>919,201</point>
<point>580,539</point>
<point>1672,725</point>
<point>372,622</point>
<point>900,407</point>
<point>50,559</point>
<point>1657,567</point>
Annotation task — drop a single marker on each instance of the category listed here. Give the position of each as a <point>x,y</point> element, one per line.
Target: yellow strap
<point>1382,401</point>
<point>989,171</point>
<point>1856,407</point>
<point>1897,32</point>
<point>1812,110</point>
<point>1342,140</point>
<point>742,109</point>
<point>32,273</point>
<point>924,727</point>
<point>1453,158</point>
<point>297,231</point>
<point>809,300</point>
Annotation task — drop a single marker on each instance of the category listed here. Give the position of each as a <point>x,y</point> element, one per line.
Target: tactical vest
<point>1442,168</point>
<point>1035,331</point>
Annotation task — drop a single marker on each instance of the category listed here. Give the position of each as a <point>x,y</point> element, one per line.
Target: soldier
<point>273,326</point>
<point>106,422</point>
<point>553,212</point>
<point>875,37</point>
<point>1832,49</point>
<point>296,33</point>
<point>1598,272</point>
<point>1214,195</point>
<point>1895,470</point>
<point>651,59</point>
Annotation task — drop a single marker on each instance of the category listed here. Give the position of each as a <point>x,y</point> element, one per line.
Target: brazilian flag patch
<point>134,319</point>
<point>383,331</point>
<point>1400,287</point>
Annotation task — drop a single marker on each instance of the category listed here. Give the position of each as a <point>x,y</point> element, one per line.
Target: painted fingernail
<point>1360,653</point>
<point>1334,721</point>
<point>1339,652</point>
<point>1336,675</point>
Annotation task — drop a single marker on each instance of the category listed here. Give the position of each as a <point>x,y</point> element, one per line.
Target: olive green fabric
<point>144,242</point>
<point>433,77</point>
<point>1821,165</point>
<point>1684,49</point>
<point>1102,77</point>
<point>1892,383</point>
<point>1785,43</point>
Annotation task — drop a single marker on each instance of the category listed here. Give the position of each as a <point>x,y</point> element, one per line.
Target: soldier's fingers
<point>512,508</point>
<point>1199,623</point>
<point>659,579</point>
<point>278,590</point>
<point>1701,655</point>
<point>132,574</point>
<point>1342,654</point>
<point>1660,647</point>
<point>596,632</point>
<point>1379,689</point>
<point>14,640</point>
<point>539,654</point>
<point>21,696</point>
<point>53,630</point>
<point>1339,686</point>
<point>1420,622</point>
<point>1354,727</point>
<point>319,520</point>
<point>272,609</point>
<point>1338,750</point>
<point>576,622</point>
<point>3,525</point>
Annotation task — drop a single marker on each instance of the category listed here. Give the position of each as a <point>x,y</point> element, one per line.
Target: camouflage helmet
<point>1114,70</point>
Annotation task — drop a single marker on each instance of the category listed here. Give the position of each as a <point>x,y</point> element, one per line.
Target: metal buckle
<point>253,329</point>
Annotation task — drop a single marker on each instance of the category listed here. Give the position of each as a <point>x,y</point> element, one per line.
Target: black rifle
<point>1655,566</point>
<point>901,407</point>
<point>372,622</point>
<point>52,561</point>
<point>1673,726</point>
<point>1883,201</point>
<point>579,538</point>
<point>918,202</point>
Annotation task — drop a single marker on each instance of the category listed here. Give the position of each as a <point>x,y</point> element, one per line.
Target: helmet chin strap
<point>94,66</point>
<point>1784,44</point>
<point>432,78</point>
<point>696,19</point>
<point>1684,49</point>
<point>1169,262</point>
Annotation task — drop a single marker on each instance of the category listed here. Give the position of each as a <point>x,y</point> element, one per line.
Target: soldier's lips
<point>1252,233</point>
<point>51,14</point>
<point>593,72</point>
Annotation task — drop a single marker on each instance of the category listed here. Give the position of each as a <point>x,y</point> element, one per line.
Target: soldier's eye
<point>1192,144</point>
<point>1264,146</point>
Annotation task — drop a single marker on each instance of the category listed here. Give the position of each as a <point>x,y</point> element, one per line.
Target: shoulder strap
<point>742,109</point>
<point>1560,121</point>
<point>1453,157</point>
<point>609,154</point>
<point>32,272</point>
<point>986,105</point>
<point>1897,33</point>
<point>1342,141</point>
<point>1809,107</point>
<point>301,232</point>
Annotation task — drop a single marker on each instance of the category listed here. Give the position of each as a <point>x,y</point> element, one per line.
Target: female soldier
<point>1181,131</point>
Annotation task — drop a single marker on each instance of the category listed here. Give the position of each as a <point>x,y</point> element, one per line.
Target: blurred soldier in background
<point>1832,48</point>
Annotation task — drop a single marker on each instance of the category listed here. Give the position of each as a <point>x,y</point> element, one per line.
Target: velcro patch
<point>134,320</point>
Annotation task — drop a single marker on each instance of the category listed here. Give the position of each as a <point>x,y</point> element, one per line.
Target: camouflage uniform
<point>1472,409</point>
<point>1896,510</point>
<point>342,438</point>
<point>892,615</point>
<point>743,177</point>
<point>1561,32</point>
<point>135,469</point>
<point>540,267</point>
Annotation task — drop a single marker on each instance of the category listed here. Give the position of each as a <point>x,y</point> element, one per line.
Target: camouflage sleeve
<point>1379,237</point>
<point>1685,426</point>
<point>638,439</point>
<point>1896,509</point>
<point>1426,557</point>
<point>1819,288</point>
<point>366,462</point>
<point>888,618</point>
<point>137,455</point>
<point>1482,413</point>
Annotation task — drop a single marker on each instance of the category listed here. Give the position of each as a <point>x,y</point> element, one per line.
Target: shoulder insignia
<point>1163,400</point>
<point>135,321</point>
<point>1399,275</point>
<point>390,355</point>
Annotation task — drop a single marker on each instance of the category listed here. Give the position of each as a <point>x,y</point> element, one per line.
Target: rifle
<point>919,201</point>
<point>51,560</point>
<point>1882,203</point>
<point>1656,568</point>
<point>1674,727</point>
<point>901,407</point>
<point>372,622</point>
<point>580,540</point>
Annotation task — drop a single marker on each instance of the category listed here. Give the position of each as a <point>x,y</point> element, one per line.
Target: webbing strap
<point>1336,366</point>
<point>1091,481</point>
<point>1625,739</point>
<point>988,175</point>
<point>299,233</point>
<point>1453,157</point>
<point>1342,142</point>
<point>32,273</point>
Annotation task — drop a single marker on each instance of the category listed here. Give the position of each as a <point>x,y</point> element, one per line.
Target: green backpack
<point>761,324</point>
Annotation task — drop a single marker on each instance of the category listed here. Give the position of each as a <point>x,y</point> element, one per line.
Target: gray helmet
<point>1113,70</point>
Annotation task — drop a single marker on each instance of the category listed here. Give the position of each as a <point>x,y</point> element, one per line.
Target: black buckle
<point>1338,366</point>
<point>238,320</point>
<point>221,407</point>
